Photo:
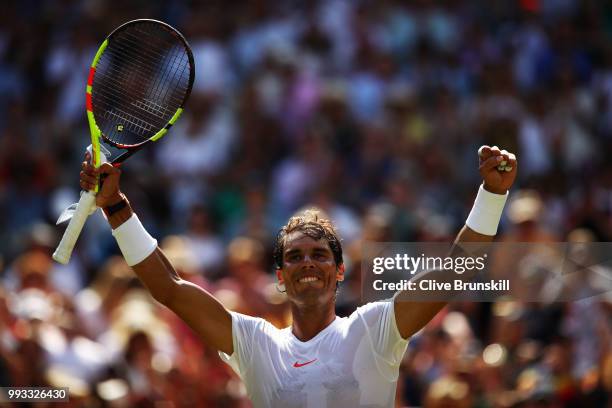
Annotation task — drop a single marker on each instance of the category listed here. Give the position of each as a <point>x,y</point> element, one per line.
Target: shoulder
<point>371,314</point>
<point>246,320</point>
<point>377,319</point>
<point>374,309</point>
<point>253,326</point>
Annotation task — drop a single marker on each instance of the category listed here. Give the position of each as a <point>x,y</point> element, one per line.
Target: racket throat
<point>118,161</point>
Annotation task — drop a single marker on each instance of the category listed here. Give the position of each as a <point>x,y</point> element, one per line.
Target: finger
<point>505,155</point>
<point>89,169</point>
<point>491,163</point>
<point>504,162</point>
<point>511,162</point>
<point>86,186</point>
<point>484,152</point>
<point>107,168</point>
<point>496,152</point>
<point>86,165</point>
<point>88,178</point>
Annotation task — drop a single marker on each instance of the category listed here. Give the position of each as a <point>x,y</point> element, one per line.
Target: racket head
<point>138,84</point>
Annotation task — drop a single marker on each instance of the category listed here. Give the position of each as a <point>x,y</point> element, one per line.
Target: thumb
<point>108,169</point>
<point>109,179</point>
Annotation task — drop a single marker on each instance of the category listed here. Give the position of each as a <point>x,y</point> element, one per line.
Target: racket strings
<point>131,122</point>
<point>157,87</point>
<point>118,76</point>
<point>107,91</point>
<point>141,80</point>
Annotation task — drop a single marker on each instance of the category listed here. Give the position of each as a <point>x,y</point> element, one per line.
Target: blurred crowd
<point>370,110</point>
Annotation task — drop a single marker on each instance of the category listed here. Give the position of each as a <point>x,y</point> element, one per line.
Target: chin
<point>313,297</point>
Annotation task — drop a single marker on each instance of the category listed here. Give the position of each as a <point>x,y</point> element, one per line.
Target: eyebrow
<point>298,250</point>
<point>293,251</point>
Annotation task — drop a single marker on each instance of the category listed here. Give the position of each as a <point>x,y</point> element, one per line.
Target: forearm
<point>414,309</point>
<point>121,216</point>
<point>198,308</point>
<point>155,272</point>
<point>491,204</point>
<point>469,235</point>
<point>471,250</point>
<point>158,276</point>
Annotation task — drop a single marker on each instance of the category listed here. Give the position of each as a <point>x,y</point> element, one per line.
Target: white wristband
<point>134,241</point>
<point>486,212</point>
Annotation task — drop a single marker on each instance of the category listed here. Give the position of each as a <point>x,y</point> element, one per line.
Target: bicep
<point>194,305</point>
<point>205,315</point>
<point>411,316</point>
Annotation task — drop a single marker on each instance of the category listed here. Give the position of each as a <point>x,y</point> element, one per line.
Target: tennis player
<point>322,360</point>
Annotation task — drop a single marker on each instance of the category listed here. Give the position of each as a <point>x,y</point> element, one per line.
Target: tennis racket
<point>138,84</point>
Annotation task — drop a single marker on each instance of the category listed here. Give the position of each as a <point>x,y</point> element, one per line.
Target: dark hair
<point>312,224</point>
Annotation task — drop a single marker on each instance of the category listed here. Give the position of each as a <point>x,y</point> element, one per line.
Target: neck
<point>308,321</point>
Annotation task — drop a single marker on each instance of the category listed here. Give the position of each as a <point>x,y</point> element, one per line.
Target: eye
<point>294,257</point>
<point>320,256</point>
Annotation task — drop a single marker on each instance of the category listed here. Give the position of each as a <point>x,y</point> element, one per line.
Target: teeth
<point>308,279</point>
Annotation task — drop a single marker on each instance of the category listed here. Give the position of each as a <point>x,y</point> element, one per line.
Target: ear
<point>279,275</point>
<point>340,273</point>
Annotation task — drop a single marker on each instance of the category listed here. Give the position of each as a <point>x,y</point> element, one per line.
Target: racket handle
<point>66,245</point>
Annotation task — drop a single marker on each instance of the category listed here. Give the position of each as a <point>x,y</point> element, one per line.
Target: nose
<point>308,261</point>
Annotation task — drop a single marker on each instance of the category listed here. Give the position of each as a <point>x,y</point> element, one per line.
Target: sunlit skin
<point>313,301</point>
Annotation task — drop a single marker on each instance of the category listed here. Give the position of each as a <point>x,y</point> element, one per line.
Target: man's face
<point>309,270</point>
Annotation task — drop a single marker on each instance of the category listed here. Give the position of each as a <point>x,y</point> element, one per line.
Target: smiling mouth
<point>308,279</point>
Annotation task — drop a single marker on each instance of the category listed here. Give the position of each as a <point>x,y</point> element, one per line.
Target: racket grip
<point>66,245</point>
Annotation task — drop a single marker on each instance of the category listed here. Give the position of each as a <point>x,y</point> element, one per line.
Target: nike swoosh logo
<point>298,365</point>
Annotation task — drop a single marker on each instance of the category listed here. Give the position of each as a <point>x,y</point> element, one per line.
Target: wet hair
<point>312,224</point>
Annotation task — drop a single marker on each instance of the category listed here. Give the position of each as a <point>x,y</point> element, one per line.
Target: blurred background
<point>370,110</point>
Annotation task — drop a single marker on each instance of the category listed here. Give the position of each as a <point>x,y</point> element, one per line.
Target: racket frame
<point>64,250</point>
<point>95,130</point>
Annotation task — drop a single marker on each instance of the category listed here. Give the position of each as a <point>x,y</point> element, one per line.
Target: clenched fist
<point>495,180</point>
<point>109,193</point>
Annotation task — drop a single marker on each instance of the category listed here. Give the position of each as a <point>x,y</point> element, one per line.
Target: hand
<point>496,181</point>
<point>109,193</point>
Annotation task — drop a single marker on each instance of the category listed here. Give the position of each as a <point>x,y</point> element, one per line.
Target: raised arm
<point>481,226</point>
<point>198,308</point>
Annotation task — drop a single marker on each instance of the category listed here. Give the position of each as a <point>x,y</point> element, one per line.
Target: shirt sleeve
<point>245,330</point>
<point>385,339</point>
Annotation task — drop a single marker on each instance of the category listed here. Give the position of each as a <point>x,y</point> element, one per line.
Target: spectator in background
<point>204,244</point>
<point>201,146</point>
<point>384,84</point>
<point>525,211</point>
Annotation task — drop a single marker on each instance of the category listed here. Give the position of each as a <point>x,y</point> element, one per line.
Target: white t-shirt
<point>353,362</point>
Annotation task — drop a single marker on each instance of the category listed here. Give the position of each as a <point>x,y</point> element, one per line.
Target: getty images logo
<point>411,264</point>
